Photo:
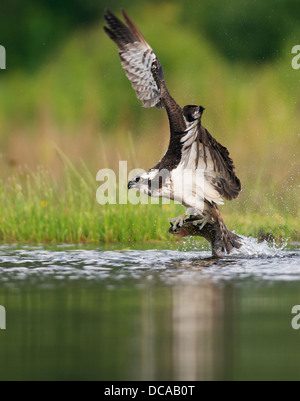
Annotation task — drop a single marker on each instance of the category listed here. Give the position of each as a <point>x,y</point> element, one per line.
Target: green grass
<point>39,209</point>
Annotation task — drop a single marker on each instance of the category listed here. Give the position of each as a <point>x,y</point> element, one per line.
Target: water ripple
<point>37,265</point>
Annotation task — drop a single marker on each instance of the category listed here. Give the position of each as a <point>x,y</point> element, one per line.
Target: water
<point>150,314</point>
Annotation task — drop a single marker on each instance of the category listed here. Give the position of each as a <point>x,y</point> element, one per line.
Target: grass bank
<point>39,209</point>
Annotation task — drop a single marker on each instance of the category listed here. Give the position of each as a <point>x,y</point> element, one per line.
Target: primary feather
<point>137,57</point>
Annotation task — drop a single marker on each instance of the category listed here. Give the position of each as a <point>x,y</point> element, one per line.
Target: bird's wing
<point>137,58</point>
<point>201,151</point>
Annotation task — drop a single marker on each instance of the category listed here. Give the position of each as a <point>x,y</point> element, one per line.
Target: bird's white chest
<point>187,183</point>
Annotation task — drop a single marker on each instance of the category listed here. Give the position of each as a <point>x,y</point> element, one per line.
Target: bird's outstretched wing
<point>137,58</point>
<point>201,150</point>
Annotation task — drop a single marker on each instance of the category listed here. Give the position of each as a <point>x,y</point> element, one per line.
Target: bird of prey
<point>196,170</point>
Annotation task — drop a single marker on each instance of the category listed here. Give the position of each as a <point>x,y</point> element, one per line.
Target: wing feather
<point>137,58</point>
<point>201,150</point>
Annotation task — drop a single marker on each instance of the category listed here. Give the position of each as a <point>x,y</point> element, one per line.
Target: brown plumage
<point>191,146</point>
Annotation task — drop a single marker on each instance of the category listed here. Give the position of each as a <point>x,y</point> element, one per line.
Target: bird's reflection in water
<point>195,320</point>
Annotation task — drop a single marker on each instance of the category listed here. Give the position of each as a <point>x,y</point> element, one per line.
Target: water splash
<point>252,248</point>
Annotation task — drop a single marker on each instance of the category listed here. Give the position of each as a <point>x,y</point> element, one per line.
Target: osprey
<point>196,170</point>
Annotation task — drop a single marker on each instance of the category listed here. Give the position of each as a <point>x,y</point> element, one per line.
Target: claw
<point>203,220</point>
<point>177,222</point>
<point>203,224</point>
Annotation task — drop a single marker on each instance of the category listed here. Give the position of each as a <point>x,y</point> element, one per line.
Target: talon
<point>198,221</point>
<point>203,220</point>
<point>202,225</point>
<point>177,222</point>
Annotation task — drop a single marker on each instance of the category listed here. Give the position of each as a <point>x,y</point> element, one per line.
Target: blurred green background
<point>64,88</point>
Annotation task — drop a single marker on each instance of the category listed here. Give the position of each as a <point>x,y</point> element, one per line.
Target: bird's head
<point>192,112</point>
<point>138,181</point>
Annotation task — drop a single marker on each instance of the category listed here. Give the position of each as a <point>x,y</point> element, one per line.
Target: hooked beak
<point>131,184</point>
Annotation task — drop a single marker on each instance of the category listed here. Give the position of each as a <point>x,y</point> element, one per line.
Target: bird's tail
<point>229,239</point>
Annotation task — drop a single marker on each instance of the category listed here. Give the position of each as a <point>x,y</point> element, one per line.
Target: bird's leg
<point>177,222</point>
